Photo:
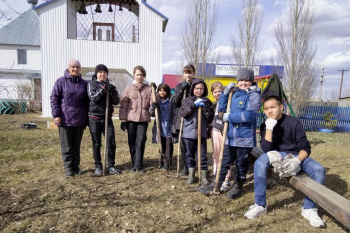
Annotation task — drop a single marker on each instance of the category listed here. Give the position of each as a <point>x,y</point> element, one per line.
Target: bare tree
<point>245,43</point>
<point>120,81</point>
<point>296,51</point>
<point>198,34</point>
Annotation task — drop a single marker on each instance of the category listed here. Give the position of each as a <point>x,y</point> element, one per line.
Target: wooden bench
<point>332,202</point>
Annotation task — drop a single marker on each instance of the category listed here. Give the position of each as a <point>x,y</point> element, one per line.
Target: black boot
<point>236,191</point>
<point>206,190</point>
<point>185,171</point>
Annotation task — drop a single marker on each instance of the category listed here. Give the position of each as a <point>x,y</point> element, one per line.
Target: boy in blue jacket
<point>241,134</point>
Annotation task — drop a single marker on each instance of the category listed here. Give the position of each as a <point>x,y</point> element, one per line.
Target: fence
<point>312,118</point>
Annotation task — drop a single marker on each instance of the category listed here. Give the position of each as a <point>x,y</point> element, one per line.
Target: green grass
<point>35,196</point>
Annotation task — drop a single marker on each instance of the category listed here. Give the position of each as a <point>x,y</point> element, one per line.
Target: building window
<point>22,56</point>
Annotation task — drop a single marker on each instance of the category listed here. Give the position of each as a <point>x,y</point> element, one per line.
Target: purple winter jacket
<point>70,101</point>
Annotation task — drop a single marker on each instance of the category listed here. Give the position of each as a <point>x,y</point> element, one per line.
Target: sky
<point>331,34</point>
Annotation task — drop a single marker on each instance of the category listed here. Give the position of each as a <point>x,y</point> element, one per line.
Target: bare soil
<point>35,196</point>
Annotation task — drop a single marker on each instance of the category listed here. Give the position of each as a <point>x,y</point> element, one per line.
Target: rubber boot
<point>204,181</point>
<point>236,191</point>
<point>191,172</point>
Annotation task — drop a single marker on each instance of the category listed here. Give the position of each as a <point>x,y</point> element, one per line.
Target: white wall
<point>8,57</point>
<point>57,49</point>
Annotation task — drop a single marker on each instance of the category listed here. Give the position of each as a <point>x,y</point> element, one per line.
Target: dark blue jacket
<point>245,107</point>
<point>288,136</point>
<point>69,100</point>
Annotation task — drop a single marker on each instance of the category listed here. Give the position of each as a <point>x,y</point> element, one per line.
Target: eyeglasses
<point>198,89</point>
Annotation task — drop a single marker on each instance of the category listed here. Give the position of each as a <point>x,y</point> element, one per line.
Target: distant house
<point>120,34</point>
<point>20,58</point>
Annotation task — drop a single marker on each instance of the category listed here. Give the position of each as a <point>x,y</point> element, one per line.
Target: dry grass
<point>36,197</point>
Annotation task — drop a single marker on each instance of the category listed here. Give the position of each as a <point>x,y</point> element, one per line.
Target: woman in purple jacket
<point>69,105</point>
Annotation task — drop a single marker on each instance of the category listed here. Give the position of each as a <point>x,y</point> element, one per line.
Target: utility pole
<point>341,82</point>
<point>322,81</point>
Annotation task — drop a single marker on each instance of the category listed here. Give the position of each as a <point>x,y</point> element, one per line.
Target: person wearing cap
<point>241,135</point>
<point>69,106</point>
<point>97,90</point>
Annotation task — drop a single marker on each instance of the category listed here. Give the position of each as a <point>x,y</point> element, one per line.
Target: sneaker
<point>225,186</point>
<point>99,171</point>
<point>69,174</point>
<point>255,211</point>
<point>114,170</point>
<point>312,216</point>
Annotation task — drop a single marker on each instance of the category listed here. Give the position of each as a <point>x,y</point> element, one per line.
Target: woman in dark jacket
<point>69,105</point>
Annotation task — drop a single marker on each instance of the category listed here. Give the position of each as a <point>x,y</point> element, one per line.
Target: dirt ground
<point>35,196</point>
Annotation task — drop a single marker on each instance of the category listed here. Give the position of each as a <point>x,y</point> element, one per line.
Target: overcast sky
<point>332,33</point>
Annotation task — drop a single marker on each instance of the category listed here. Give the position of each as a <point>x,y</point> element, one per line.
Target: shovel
<point>179,141</point>
<point>156,111</point>
<point>218,170</point>
<point>199,138</point>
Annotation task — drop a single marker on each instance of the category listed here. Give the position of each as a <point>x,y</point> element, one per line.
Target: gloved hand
<point>123,126</point>
<point>184,85</point>
<point>229,87</point>
<point>270,123</point>
<point>291,165</point>
<point>108,87</point>
<point>154,85</point>
<point>199,102</point>
<point>155,105</point>
<point>225,117</point>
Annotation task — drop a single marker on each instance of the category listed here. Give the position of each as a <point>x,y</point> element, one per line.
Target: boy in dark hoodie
<point>189,111</point>
<point>97,90</point>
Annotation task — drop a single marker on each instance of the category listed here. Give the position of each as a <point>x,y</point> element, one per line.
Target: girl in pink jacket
<point>134,113</point>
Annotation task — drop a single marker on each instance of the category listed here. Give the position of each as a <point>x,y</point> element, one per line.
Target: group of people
<point>76,104</point>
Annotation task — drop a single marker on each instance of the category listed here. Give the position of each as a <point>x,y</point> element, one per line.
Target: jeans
<point>137,139</point>
<point>241,155</point>
<point>262,165</point>
<point>191,151</point>
<point>70,137</point>
<point>97,128</point>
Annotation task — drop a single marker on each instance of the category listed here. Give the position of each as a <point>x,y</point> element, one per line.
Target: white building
<point>118,33</point>
<point>20,58</point>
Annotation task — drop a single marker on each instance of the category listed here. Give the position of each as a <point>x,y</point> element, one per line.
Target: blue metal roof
<point>24,30</point>
<point>166,19</point>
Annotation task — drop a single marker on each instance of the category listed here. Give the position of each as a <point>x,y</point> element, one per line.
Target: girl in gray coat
<point>189,111</point>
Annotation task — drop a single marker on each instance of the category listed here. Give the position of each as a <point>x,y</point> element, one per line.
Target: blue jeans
<point>262,165</point>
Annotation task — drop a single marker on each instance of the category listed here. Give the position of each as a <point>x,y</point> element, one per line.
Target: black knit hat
<point>101,67</point>
<point>245,74</point>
